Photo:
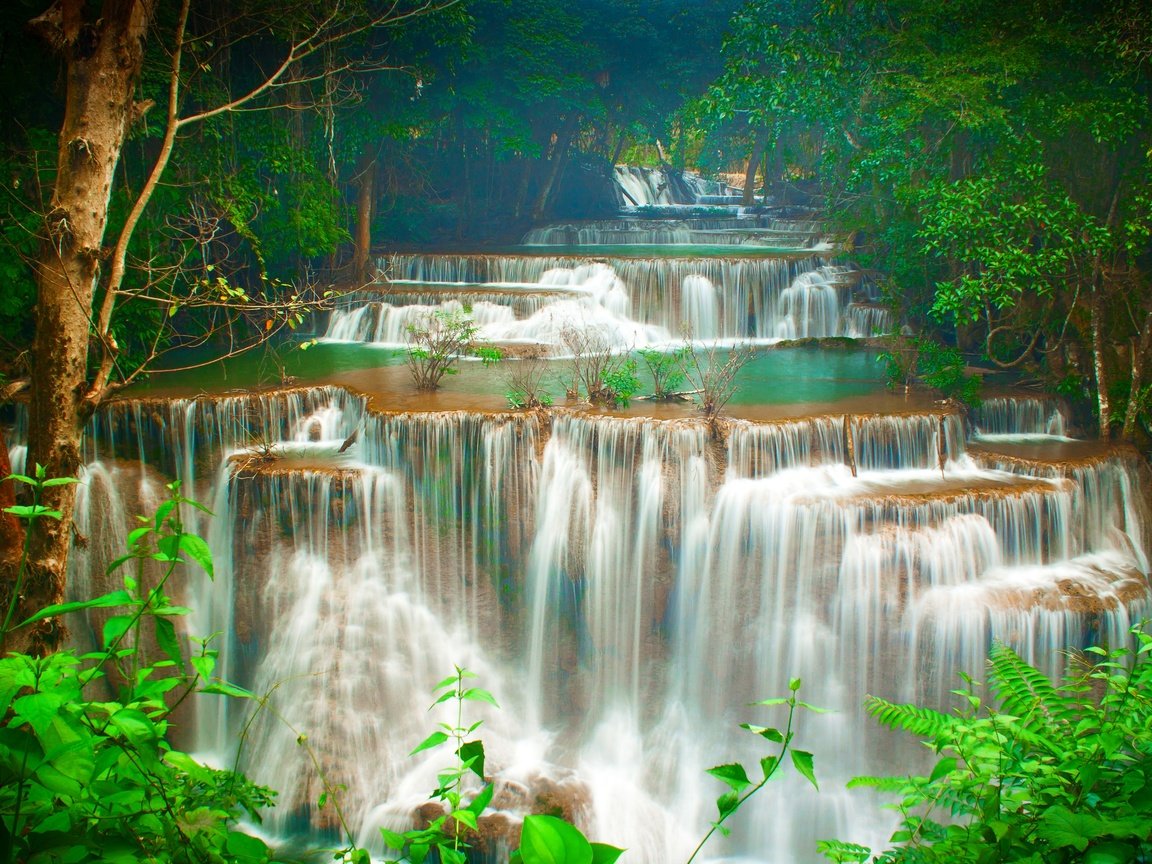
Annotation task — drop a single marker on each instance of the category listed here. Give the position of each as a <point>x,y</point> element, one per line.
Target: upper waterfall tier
<point>754,231</point>
<point>632,302</point>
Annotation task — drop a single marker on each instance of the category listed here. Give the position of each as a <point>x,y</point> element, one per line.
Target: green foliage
<point>604,376</point>
<point>1034,770</point>
<point>438,341</point>
<point>666,369</point>
<point>443,836</point>
<point>620,384</point>
<point>95,778</point>
<point>934,365</point>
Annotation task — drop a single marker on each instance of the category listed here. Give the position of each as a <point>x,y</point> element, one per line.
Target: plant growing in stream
<point>437,342</point>
<point>666,369</point>
<point>934,365</point>
<point>1044,771</point>
<point>714,380</point>
<point>93,777</point>
<point>443,834</point>
<point>547,839</point>
<point>525,382</point>
<point>605,376</point>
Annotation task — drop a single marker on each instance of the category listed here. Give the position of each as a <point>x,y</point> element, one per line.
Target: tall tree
<point>83,272</point>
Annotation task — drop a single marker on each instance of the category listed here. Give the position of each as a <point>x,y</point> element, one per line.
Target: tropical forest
<point>576,431</point>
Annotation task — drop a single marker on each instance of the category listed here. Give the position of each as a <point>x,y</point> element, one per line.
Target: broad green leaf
<point>802,761</point>
<point>483,799</point>
<point>59,481</point>
<point>115,628</point>
<point>602,853</point>
<point>167,640</point>
<point>137,727</point>
<point>472,754</point>
<point>1061,827</point>
<point>245,848</point>
<point>733,774</point>
<point>433,740</point>
<point>105,601</point>
<point>727,803</point>
<point>943,768</point>
<point>392,840</point>
<point>38,710</point>
<point>548,840</point>
<point>466,817</point>
<point>198,551</point>
<point>58,821</point>
<point>475,694</point>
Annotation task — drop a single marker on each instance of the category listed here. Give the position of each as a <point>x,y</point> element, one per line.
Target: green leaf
<point>802,761</point>
<point>38,710</point>
<point>943,768</point>
<point>245,848</point>
<point>433,740</point>
<point>198,551</point>
<point>105,601</point>
<point>733,774</point>
<point>475,694</point>
<point>472,754</point>
<point>466,817</point>
<point>115,628</point>
<point>59,481</point>
<point>224,688</point>
<point>1110,853</point>
<point>548,840</point>
<point>392,840</point>
<point>727,804</point>
<point>167,640</point>
<point>602,853</point>
<point>764,732</point>
<point>483,799</point>
<point>1061,827</point>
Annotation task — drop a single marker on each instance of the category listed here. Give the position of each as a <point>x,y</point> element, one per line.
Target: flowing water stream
<point>623,582</point>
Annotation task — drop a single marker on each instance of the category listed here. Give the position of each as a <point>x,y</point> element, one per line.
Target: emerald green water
<point>775,376</point>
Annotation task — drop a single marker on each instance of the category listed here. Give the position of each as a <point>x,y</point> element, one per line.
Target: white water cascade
<point>625,583</point>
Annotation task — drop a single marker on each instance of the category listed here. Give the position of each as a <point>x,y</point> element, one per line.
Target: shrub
<point>1041,771</point>
<point>438,341</point>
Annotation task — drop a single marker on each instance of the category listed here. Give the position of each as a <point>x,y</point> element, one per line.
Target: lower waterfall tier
<point>625,586</point>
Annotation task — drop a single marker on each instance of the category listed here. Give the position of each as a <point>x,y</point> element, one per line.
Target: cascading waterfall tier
<point>631,302</point>
<point>640,579</point>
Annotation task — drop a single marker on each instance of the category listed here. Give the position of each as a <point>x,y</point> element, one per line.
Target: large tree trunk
<point>103,62</point>
<point>555,167</point>
<point>365,206</point>
<point>761,143</point>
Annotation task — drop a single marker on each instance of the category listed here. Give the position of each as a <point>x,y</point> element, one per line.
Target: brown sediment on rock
<point>950,490</point>
<point>249,465</point>
<point>1047,455</point>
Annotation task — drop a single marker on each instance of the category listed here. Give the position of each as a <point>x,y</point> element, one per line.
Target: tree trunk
<point>555,167</point>
<point>1140,352</point>
<point>103,63</point>
<point>365,201</point>
<point>1100,360</point>
<point>749,197</point>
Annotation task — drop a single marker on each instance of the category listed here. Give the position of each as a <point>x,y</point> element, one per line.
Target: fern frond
<point>1025,691</point>
<point>911,718</point>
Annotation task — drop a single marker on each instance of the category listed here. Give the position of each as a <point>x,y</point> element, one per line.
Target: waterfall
<point>627,583</point>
